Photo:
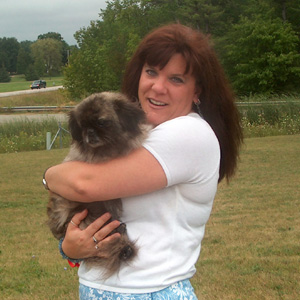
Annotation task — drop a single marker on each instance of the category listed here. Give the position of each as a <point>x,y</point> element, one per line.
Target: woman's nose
<point>159,86</point>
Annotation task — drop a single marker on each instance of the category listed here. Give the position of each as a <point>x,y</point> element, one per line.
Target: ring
<point>74,223</point>
<point>96,247</point>
<point>95,240</point>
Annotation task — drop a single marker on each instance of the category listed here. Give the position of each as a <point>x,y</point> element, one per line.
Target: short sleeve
<point>186,148</point>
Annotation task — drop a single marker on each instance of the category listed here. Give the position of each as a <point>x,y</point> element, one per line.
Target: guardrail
<point>265,103</point>
<point>35,108</point>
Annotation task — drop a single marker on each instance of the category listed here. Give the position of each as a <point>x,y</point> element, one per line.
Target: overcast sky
<point>27,19</point>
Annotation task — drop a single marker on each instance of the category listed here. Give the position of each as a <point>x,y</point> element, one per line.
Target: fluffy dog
<point>103,126</point>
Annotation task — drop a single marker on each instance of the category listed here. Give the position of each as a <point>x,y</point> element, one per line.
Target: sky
<point>27,19</point>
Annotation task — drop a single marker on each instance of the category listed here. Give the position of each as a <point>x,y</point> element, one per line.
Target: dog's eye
<point>103,123</point>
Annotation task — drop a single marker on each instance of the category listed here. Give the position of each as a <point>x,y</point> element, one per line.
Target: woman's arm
<point>135,174</point>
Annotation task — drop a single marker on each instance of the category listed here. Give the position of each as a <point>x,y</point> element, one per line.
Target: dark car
<point>37,84</point>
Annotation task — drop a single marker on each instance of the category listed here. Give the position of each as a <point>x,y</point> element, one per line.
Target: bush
<point>4,75</point>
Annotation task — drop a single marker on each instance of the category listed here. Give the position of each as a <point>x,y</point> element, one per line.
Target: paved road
<point>30,117</point>
<point>48,89</point>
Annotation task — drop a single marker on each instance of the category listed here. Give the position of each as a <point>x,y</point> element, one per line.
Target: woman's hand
<point>86,243</point>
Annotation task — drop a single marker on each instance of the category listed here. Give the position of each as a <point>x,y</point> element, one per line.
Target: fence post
<point>48,140</point>
<point>60,135</point>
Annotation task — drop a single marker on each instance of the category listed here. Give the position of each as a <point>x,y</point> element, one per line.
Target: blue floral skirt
<point>181,290</point>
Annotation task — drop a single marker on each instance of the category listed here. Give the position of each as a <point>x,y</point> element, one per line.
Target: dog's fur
<point>103,126</point>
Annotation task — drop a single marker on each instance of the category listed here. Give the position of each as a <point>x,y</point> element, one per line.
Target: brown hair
<point>217,100</point>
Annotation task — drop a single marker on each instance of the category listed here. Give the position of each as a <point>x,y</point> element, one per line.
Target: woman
<point>168,186</point>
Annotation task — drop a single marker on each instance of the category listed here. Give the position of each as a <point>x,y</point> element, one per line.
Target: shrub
<point>4,75</point>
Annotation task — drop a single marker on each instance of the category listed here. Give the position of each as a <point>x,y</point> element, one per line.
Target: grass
<point>250,251</point>
<point>19,83</point>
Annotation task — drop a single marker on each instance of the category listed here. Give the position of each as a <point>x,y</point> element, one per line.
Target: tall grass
<point>26,135</point>
<point>256,121</point>
<point>270,120</point>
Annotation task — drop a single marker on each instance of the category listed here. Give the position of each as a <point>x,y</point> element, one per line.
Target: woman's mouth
<point>155,102</point>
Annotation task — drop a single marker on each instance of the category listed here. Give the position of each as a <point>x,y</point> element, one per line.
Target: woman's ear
<point>197,95</point>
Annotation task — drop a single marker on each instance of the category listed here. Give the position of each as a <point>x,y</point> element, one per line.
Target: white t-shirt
<point>168,224</point>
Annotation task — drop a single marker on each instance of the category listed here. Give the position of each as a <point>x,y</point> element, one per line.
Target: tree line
<point>43,57</point>
<point>258,42</point>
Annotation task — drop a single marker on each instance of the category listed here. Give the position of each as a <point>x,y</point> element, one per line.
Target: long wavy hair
<point>217,103</point>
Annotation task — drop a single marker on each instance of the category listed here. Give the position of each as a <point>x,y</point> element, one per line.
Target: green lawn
<point>18,83</point>
<point>250,251</point>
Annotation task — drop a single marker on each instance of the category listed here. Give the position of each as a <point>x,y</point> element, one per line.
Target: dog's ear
<point>74,127</point>
<point>130,116</point>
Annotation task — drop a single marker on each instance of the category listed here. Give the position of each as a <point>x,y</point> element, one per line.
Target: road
<point>48,89</point>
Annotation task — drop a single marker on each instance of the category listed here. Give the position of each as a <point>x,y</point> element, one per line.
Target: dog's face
<point>105,120</point>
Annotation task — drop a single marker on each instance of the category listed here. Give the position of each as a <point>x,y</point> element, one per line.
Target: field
<point>19,83</point>
<point>251,249</point>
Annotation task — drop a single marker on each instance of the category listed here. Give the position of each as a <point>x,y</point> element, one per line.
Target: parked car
<point>37,84</point>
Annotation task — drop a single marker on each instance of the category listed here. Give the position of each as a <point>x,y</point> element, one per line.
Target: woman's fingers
<point>106,230</point>
<point>99,223</point>
<point>77,218</point>
<point>103,248</point>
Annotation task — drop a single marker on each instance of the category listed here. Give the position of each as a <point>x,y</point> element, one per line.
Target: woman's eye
<point>177,80</point>
<point>151,72</point>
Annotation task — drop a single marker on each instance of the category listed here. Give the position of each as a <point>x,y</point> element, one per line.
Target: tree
<point>106,45</point>
<point>4,75</point>
<point>202,14</point>
<point>47,56</point>
<point>262,56</point>
<point>259,50</point>
<point>31,73</point>
<point>9,48</point>
<point>65,48</point>
<point>51,35</point>
<point>24,58</point>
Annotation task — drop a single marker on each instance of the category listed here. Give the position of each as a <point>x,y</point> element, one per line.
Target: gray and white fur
<point>103,126</point>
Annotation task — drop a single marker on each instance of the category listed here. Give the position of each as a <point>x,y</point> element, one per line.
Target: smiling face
<point>167,93</point>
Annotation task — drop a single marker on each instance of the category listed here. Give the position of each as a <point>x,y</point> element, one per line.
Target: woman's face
<point>168,93</point>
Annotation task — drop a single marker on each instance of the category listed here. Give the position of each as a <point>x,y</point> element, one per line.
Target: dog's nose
<point>90,132</point>
<point>92,137</point>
